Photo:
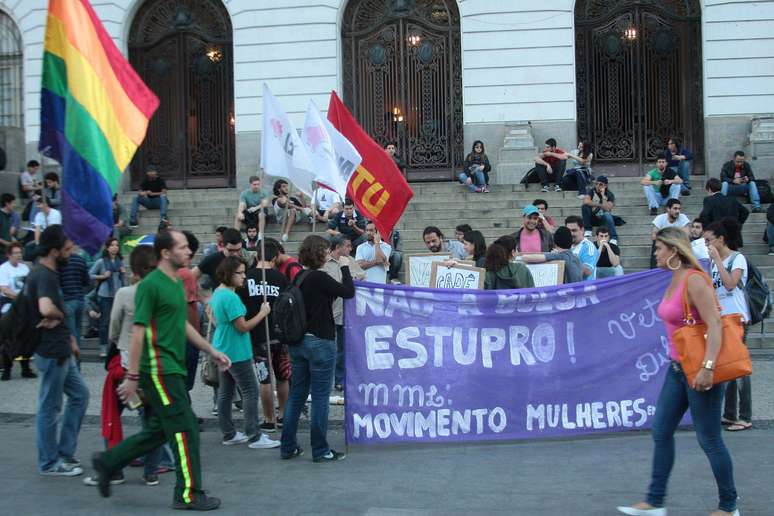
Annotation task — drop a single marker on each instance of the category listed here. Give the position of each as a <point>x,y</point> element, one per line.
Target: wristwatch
<point>708,364</point>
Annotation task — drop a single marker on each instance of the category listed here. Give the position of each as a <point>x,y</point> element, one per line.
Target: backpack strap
<point>293,265</point>
<point>300,277</point>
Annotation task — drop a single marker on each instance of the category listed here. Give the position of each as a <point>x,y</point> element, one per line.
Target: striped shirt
<point>74,277</point>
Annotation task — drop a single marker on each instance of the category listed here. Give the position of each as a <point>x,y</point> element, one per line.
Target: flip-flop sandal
<point>726,422</point>
<point>739,426</point>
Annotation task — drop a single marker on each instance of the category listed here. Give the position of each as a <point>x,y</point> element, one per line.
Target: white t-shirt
<point>367,251</point>
<point>662,221</point>
<point>54,218</point>
<point>732,301</point>
<point>699,248</point>
<point>13,278</point>
<point>324,199</point>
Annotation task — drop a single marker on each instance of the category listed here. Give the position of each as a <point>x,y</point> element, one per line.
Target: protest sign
<point>547,274</point>
<point>456,276</point>
<point>430,365</point>
<point>419,267</point>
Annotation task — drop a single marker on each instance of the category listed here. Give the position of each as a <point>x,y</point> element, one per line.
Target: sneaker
<point>72,462</point>
<point>284,237</point>
<point>60,469</point>
<point>296,453</point>
<point>103,476</point>
<point>478,189</point>
<point>264,443</point>
<point>331,456</point>
<point>133,224</point>
<point>115,480</point>
<point>237,438</point>
<point>544,189</point>
<point>557,188</point>
<point>214,411</point>
<point>654,211</point>
<point>635,511</point>
<point>268,427</point>
<point>485,189</point>
<point>151,480</point>
<point>279,422</point>
<point>201,502</point>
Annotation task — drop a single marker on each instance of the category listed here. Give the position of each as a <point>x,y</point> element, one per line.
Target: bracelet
<point>132,376</point>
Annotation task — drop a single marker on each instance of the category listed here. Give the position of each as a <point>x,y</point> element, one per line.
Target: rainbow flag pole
<point>94,113</point>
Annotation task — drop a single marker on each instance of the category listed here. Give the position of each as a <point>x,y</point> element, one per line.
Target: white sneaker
<point>264,443</point>
<point>239,438</point>
<point>557,188</point>
<point>631,511</point>
<point>285,237</point>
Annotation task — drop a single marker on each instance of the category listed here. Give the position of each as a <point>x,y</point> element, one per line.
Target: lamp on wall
<point>630,33</point>
<point>414,40</point>
<point>214,54</point>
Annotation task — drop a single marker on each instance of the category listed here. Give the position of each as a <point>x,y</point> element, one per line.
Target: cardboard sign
<point>456,276</point>
<point>547,274</point>
<point>419,267</point>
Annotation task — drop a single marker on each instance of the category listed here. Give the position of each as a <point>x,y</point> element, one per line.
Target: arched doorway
<point>182,49</point>
<point>11,95</point>
<point>639,76</point>
<point>403,79</point>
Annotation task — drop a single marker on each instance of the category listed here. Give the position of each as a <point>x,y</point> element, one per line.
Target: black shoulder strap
<point>300,277</point>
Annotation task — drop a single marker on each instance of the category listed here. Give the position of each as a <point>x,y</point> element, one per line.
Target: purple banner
<point>428,365</point>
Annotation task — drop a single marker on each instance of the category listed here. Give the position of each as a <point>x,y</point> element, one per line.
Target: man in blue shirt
<point>587,253</point>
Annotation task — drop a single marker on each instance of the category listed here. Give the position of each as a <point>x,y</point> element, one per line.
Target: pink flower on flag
<point>276,125</point>
<point>315,136</point>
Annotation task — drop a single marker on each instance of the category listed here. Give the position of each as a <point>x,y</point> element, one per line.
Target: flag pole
<point>272,378</point>
<point>314,211</point>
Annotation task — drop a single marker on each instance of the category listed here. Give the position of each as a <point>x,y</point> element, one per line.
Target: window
<point>11,102</point>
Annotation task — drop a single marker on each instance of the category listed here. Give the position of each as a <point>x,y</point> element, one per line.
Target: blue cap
<point>601,179</point>
<point>530,210</point>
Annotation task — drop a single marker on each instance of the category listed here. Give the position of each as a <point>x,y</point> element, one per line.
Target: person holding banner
<point>573,268</point>
<point>314,358</point>
<point>703,398</point>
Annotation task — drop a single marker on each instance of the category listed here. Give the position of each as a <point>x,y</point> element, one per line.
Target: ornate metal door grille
<point>403,82</point>
<point>183,50</point>
<point>638,76</point>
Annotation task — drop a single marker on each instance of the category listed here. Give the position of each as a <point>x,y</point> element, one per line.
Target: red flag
<point>378,188</point>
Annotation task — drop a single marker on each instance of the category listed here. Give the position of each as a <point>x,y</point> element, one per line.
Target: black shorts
<point>280,361</point>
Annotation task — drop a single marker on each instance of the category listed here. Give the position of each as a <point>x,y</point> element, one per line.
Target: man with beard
<point>435,243</point>
<point>55,360</point>
<point>157,366</point>
<point>373,255</point>
<point>251,242</point>
<point>531,238</point>
<point>698,244</point>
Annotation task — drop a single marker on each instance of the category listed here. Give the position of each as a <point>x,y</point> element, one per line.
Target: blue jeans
<point>74,317</point>
<point>581,176</point>
<point>750,189</point>
<point>241,374</point>
<point>655,199</point>
<point>105,306</point>
<point>57,379</point>
<point>683,169</point>
<point>676,397</point>
<point>770,235</point>
<point>313,362</point>
<point>477,180</point>
<point>600,217</point>
<point>151,203</point>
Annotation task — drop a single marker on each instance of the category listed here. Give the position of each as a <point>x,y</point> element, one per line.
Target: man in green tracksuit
<point>157,366</point>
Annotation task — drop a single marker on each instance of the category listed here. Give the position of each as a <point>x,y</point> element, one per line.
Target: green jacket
<point>515,275</point>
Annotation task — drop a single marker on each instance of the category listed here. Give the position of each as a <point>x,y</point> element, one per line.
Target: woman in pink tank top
<point>702,398</point>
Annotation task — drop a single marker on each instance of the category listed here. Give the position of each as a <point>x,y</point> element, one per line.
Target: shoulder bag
<point>690,341</point>
<point>209,371</point>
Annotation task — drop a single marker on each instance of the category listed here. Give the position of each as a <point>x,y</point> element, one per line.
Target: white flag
<point>282,153</point>
<point>334,158</point>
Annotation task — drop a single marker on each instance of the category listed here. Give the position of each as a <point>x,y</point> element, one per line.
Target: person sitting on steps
<point>550,164</point>
<point>475,171</point>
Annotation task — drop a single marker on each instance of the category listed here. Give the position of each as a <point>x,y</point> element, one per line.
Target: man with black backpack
<point>56,353</point>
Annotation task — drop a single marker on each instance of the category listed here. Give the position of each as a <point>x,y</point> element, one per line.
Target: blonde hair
<point>676,239</point>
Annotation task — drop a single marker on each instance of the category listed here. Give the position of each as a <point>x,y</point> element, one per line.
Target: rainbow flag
<point>94,113</point>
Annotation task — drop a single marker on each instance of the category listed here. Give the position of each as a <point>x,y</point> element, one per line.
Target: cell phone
<point>135,402</point>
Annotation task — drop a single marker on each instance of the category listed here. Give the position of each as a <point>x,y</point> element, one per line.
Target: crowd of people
<point>151,317</point>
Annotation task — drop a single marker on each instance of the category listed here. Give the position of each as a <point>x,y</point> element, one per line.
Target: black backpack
<point>289,312</point>
<point>18,332</point>
<point>756,292</point>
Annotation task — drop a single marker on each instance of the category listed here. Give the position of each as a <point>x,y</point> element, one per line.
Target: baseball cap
<point>529,210</point>
<point>601,179</point>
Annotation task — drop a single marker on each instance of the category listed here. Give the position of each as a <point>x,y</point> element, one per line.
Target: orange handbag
<point>690,341</point>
